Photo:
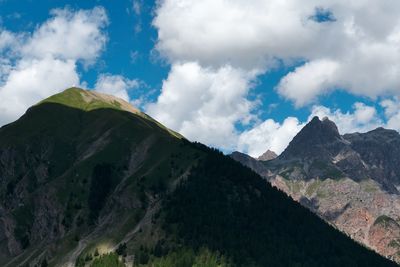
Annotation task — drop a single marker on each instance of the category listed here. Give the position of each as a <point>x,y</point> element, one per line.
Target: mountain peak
<point>267,155</point>
<point>325,125</point>
<point>311,140</point>
<point>89,100</point>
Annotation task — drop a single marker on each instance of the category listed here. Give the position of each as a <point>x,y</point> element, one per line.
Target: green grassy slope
<point>62,153</point>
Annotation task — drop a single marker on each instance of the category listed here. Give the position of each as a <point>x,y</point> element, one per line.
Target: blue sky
<point>210,70</point>
<point>123,41</point>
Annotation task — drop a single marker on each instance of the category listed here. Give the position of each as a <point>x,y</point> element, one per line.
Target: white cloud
<point>69,35</point>
<point>45,62</point>
<point>392,112</point>
<point>269,135</point>
<point>137,7</point>
<point>356,50</point>
<point>237,32</point>
<point>252,35</point>
<point>204,104</point>
<point>116,85</point>
<point>309,80</point>
<point>30,81</point>
<point>8,40</point>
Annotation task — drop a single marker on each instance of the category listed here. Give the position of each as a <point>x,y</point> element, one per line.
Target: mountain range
<point>351,181</point>
<point>88,180</point>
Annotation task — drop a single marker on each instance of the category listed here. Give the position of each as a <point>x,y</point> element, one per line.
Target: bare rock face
<point>268,155</point>
<point>351,181</point>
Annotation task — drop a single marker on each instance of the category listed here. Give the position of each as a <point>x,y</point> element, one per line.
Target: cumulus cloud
<point>392,112</point>
<point>204,104</point>
<point>253,35</point>
<point>30,81</point>
<point>334,44</point>
<point>116,85</point>
<point>309,80</point>
<point>243,34</point>
<point>44,62</point>
<point>69,35</point>
<point>8,40</point>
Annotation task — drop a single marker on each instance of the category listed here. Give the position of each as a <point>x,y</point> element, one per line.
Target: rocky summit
<point>88,180</point>
<point>267,155</point>
<point>349,180</point>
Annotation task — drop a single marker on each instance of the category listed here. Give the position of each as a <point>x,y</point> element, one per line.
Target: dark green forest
<point>228,208</point>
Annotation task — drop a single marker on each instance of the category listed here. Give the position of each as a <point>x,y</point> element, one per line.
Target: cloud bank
<point>335,44</point>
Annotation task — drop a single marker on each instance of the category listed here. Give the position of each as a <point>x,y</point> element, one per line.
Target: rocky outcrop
<point>267,155</point>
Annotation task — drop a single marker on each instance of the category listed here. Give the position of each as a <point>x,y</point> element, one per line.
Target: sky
<point>233,74</point>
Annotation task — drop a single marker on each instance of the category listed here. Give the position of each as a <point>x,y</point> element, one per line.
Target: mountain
<point>88,180</point>
<point>317,139</point>
<point>373,155</point>
<point>267,155</point>
<point>248,161</point>
<point>349,180</point>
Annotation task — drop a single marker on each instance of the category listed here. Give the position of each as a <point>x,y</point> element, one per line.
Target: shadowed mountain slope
<point>84,175</point>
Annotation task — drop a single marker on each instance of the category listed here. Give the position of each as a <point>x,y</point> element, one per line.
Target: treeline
<point>189,258</point>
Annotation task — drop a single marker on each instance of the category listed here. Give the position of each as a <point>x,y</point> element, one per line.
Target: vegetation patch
<point>107,260</point>
<point>102,183</point>
<point>189,258</point>
<point>394,244</point>
<point>385,220</point>
<point>313,187</point>
<point>369,187</point>
<point>24,220</point>
<point>230,209</point>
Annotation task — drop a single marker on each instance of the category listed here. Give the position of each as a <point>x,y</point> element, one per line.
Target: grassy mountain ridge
<point>79,182</point>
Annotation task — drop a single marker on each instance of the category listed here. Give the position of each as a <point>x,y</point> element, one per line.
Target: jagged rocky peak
<point>323,130</point>
<point>268,155</point>
<point>312,140</point>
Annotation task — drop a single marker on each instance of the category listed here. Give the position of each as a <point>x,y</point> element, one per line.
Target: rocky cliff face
<point>351,181</point>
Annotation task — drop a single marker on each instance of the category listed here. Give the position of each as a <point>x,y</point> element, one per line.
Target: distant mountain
<point>374,155</point>
<point>349,180</point>
<point>88,180</point>
<point>267,155</point>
